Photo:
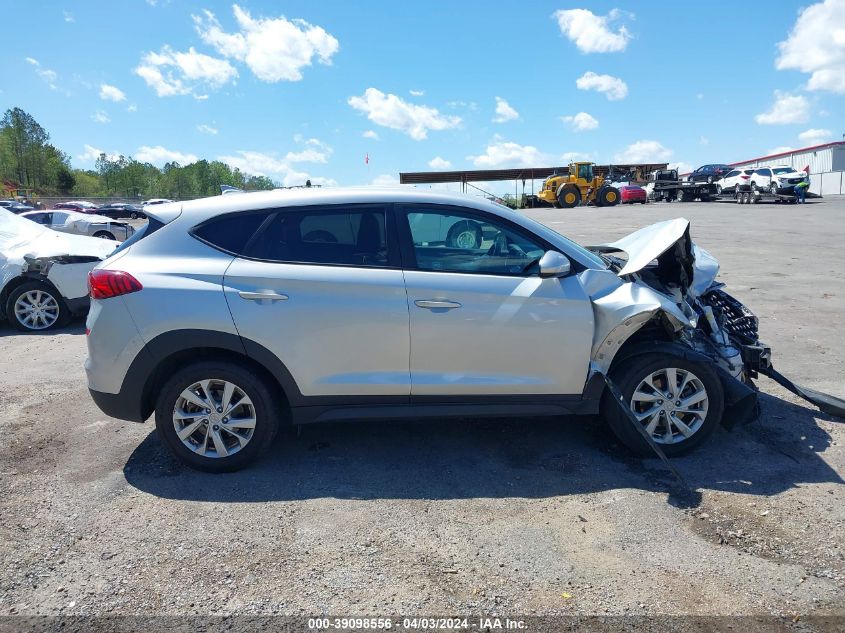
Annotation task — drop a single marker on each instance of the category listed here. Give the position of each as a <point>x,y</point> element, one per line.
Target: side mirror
<point>554,264</point>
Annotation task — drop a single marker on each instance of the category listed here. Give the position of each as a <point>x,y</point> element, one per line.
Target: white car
<point>43,273</point>
<point>82,224</point>
<point>155,201</point>
<point>735,177</point>
<point>776,178</point>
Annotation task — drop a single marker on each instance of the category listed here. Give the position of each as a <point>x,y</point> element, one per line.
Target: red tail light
<point>105,284</point>
<point>745,177</point>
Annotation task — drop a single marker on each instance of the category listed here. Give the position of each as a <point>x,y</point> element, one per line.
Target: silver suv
<point>236,314</point>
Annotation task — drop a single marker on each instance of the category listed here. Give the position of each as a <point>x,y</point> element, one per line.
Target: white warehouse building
<point>826,162</point>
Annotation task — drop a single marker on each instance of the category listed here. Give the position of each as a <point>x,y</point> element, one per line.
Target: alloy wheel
<point>37,310</point>
<point>214,418</point>
<point>671,404</point>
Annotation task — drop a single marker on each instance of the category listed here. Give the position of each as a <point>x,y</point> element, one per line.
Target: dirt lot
<point>514,517</point>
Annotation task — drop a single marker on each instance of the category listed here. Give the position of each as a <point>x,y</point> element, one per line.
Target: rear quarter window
<point>230,233</point>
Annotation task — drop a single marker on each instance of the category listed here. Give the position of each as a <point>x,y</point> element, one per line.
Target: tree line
<point>30,161</point>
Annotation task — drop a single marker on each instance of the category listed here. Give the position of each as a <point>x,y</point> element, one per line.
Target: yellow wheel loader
<point>579,185</point>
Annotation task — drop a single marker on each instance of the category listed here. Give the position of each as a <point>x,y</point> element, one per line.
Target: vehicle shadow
<point>76,326</point>
<point>461,459</point>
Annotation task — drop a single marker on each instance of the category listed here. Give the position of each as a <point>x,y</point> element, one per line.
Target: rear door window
<point>341,236</point>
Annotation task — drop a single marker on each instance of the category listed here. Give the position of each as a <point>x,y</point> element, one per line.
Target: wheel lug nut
<point>678,403</point>
<point>219,409</point>
<point>216,427</point>
<point>660,402</point>
<point>208,410</point>
<point>225,419</point>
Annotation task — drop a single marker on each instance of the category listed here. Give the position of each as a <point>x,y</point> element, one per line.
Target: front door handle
<point>437,304</point>
<point>262,296</point>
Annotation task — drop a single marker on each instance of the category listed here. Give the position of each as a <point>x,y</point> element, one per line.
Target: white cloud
<point>390,111</point>
<point>439,163</point>
<point>271,166</point>
<point>172,72</point>
<point>111,93</point>
<point>816,45</point>
<point>570,157</point>
<point>315,151</point>
<point>787,108</point>
<point>204,128</point>
<point>581,121</point>
<point>703,140</point>
<point>504,111</point>
<point>681,166</point>
<point>417,93</point>
<point>593,33</point>
<point>91,154</point>
<point>385,180</point>
<point>158,155</point>
<point>612,87</point>
<point>68,17</point>
<point>370,134</point>
<point>780,149</point>
<point>132,108</point>
<point>643,152</point>
<point>815,136</point>
<point>49,76</point>
<point>274,49</point>
<point>101,117</point>
<point>502,153</point>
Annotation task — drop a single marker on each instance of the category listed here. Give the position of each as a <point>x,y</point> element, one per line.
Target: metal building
<point>826,162</point>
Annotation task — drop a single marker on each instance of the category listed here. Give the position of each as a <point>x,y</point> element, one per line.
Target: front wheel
<point>678,402</point>
<point>607,196</point>
<point>216,416</point>
<point>36,306</point>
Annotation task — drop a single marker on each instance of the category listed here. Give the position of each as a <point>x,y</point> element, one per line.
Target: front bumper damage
<point>664,297</point>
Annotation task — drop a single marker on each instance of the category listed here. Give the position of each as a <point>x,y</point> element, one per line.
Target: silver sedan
<point>82,224</point>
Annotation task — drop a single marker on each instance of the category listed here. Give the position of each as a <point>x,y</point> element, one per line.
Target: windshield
<point>551,235</point>
<point>783,170</point>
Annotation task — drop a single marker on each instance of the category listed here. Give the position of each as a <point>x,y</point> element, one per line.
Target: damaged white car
<point>303,306</point>
<point>43,274</point>
<point>82,224</point>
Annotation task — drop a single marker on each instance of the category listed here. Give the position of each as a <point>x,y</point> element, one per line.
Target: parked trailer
<point>746,195</point>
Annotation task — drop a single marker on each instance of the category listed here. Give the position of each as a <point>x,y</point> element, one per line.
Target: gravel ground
<point>515,516</point>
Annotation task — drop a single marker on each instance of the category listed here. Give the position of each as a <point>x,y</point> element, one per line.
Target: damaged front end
<point>663,296</point>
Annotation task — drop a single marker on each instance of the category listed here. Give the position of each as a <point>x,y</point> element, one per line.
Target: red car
<point>632,193</point>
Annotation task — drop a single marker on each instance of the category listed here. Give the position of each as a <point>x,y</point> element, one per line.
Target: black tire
<point>266,410</point>
<point>719,190</point>
<point>607,196</point>
<point>773,188</point>
<point>133,215</point>
<point>465,234</point>
<point>568,196</point>
<point>753,186</point>
<point>628,376</point>
<point>23,289</point>
<point>709,180</point>
<point>104,235</point>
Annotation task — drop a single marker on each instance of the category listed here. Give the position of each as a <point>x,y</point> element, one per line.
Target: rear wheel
<point>35,307</point>
<point>678,402</point>
<point>568,196</point>
<point>216,416</point>
<point>773,188</point>
<point>104,235</point>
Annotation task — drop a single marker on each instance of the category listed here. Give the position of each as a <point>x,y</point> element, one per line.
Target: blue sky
<point>307,89</point>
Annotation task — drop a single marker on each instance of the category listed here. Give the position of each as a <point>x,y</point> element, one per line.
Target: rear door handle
<point>262,296</point>
<point>437,304</point>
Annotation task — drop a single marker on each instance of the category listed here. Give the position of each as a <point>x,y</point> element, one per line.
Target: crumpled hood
<point>679,260</point>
